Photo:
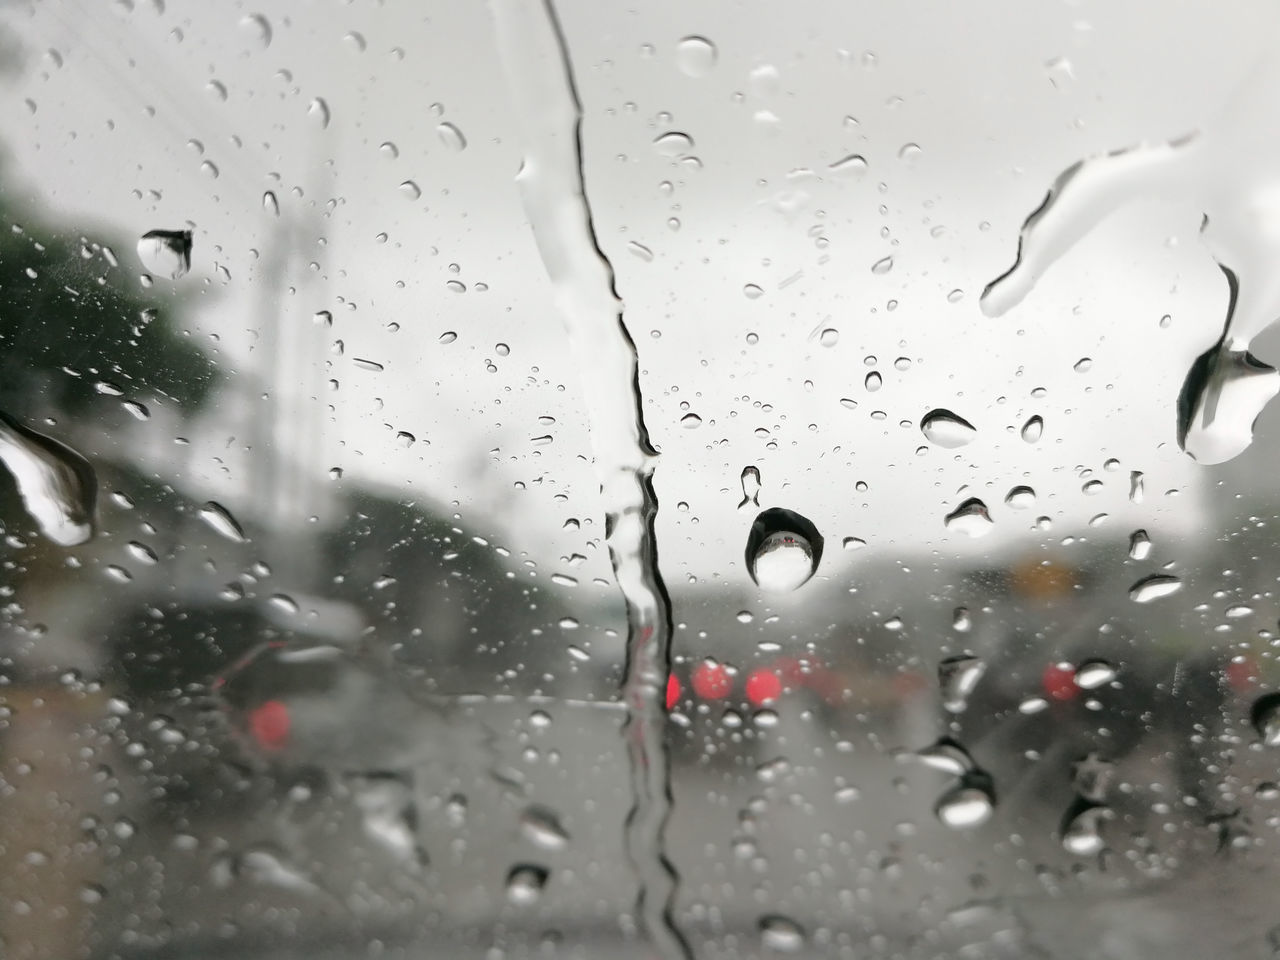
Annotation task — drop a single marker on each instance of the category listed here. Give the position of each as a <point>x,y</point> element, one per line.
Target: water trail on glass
<point>1228,171</point>
<point>541,85</point>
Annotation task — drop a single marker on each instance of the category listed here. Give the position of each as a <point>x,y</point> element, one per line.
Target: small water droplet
<point>166,253</point>
<point>1095,673</point>
<point>1136,486</point>
<point>1265,717</point>
<point>1032,429</point>
<point>641,251</point>
<point>873,381</point>
<point>690,421</point>
<point>947,756</point>
<point>750,486</point>
<point>541,826</point>
<point>946,429</point>
<point>752,291</point>
<point>910,153</point>
<point>142,553</point>
<point>882,266</point>
<point>853,543</point>
<point>270,204</point>
<point>1154,587</point>
<point>970,518</point>
<point>1083,365</point>
<point>448,337</point>
<point>781,934</point>
<point>524,884</point>
<point>829,337</point>
<point>696,56</point>
<point>783,550</point>
<point>1082,830</point>
<point>957,678</point>
<point>1021,498</point>
<point>220,521</point>
<point>410,190</point>
<point>961,621</point>
<point>284,603</point>
<point>364,364</point>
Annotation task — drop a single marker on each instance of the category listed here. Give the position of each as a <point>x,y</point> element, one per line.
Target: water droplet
<point>448,337</point>
<point>365,364</point>
<point>853,163</point>
<point>970,518</point>
<point>1139,545</point>
<point>524,884</point>
<point>451,136</point>
<point>882,266</point>
<point>270,204</point>
<point>1032,429</point>
<point>1082,830</point>
<point>284,603</point>
<point>690,421</point>
<point>783,550</point>
<point>410,190</point>
<point>1221,398</point>
<point>641,251</point>
<point>1092,674</point>
<point>221,522</point>
<point>947,756</point>
<point>853,543</point>
<point>57,486</point>
<point>1083,365</point>
<point>946,429</point>
<point>674,144</point>
<point>1136,486</point>
<point>318,110</point>
<point>696,56</point>
<point>166,253</point>
<point>1265,717</point>
<point>142,553</point>
<point>1059,72</point>
<point>1154,587</point>
<point>910,153</point>
<point>961,621</point>
<point>968,804</point>
<point>750,487</point>
<point>873,381</point>
<point>541,826</point>
<point>259,27</point>
<point>781,934</point>
<point>957,678</point>
<point>1020,498</point>
<point>829,337</point>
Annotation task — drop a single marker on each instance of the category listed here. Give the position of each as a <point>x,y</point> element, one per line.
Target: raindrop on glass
<point>957,678</point>
<point>166,253</point>
<point>451,136</point>
<point>220,521</point>
<point>1154,587</point>
<point>1032,429</point>
<point>696,56</point>
<point>970,518</point>
<point>947,429</point>
<point>750,487</point>
<point>783,550</point>
<point>1265,717</point>
<point>524,884</point>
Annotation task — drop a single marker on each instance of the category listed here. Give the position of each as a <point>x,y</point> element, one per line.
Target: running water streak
<point>540,81</point>
<point>1228,171</point>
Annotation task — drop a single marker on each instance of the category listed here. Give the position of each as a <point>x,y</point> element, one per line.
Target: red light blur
<point>269,724</point>
<point>711,681</point>
<point>763,686</point>
<point>673,691</point>
<point>1059,681</point>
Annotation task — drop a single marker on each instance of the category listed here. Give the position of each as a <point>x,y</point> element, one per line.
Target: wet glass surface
<point>524,479</point>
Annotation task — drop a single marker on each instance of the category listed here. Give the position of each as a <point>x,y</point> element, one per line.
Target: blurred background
<point>310,643</point>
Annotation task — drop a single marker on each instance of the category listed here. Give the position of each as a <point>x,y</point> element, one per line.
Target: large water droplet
<point>696,56</point>
<point>873,381</point>
<point>1020,498</point>
<point>1082,828</point>
<point>1139,545</point>
<point>1154,587</point>
<point>968,804</point>
<point>1032,429</point>
<point>1265,717</point>
<point>541,826</point>
<point>783,550</point>
<point>57,486</point>
<point>947,756</point>
<point>258,27</point>
<point>220,521</point>
<point>166,253</point>
<point>674,144</point>
<point>1092,674</point>
<point>750,487</point>
<point>525,882</point>
<point>947,429</point>
<point>971,518</point>
<point>319,111</point>
<point>451,136</point>
<point>1223,395</point>
<point>781,934</point>
<point>853,163</point>
<point>957,678</point>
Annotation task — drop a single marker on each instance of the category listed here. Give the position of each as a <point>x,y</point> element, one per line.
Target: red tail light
<point>673,691</point>
<point>1059,681</point>
<point>711,681</point>
<point>269,724</point>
